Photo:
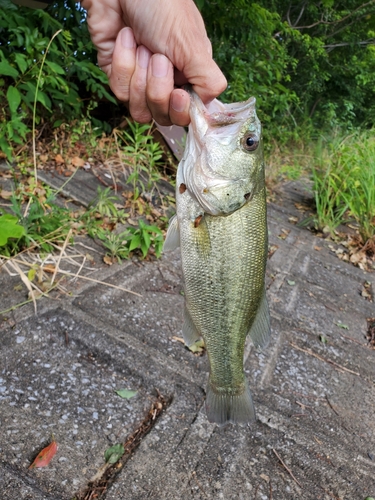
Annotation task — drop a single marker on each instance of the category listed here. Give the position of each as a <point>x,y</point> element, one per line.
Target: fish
<point>221,228</point>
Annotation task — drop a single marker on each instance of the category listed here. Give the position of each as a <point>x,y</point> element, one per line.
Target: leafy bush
<point>71,82</point>
<point>311,65</point>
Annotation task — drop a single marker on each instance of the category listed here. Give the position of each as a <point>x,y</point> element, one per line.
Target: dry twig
<point>287,468</point>
<point>339,367</point>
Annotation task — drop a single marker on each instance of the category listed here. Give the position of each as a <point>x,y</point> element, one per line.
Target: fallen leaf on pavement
<point>112,454</point>
<point>45,456</point>
<point>341,325</point>
<point>126,394</point>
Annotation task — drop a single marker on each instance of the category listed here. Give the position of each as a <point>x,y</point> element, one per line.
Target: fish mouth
<point>218,114</point>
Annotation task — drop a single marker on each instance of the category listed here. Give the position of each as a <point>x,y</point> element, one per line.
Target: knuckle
<point>121,90</point>
<point>140,115</point>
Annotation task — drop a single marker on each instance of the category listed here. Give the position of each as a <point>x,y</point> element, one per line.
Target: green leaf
<point>146,238</point>
<point>44,99</point>
<point>135,242</point>
<point>341,325</point>
<point>14,98</point>
<point>21,61</point>
<point>112,454</point>
<point>31,274</point>
<point>5,148</point>
<point>198,347</point>
<point>144,249</point>
<point>7,70</point>
<point>291,283</point>
<point>55,67</point>
<point>323,339</point>
<point>9,228</point>
<point>125,393</point>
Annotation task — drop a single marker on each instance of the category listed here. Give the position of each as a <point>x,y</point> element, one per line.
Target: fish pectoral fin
<point>201,236</point>
<point>226,407</point>
<point>172,240</point>
<point>189,330</point>
<point>260,331</point>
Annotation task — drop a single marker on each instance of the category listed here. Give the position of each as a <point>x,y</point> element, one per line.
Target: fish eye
<point>250,142</point>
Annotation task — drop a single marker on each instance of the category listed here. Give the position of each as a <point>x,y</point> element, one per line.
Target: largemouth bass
<point>221,228</point>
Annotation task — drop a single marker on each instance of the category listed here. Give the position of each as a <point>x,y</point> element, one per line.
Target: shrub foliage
<point>311,65</point>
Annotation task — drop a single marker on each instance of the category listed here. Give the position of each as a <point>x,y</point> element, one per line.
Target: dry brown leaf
<point>271,250</point>
<point>284,233</point>
<point>178,339</point>
<point>317,248</point>
<point>45,456</point>
<point>49,268</point>
<point>108,260</point>
<point>301,207</point>
<point>358,258</point>
<point>5,195</point>
<point>59,159</point>
<point>77,161</point>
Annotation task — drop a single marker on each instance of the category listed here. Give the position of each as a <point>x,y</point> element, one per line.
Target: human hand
<point>146,47</point>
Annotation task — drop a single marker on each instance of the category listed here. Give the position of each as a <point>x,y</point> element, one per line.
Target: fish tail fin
<point>222,408</point>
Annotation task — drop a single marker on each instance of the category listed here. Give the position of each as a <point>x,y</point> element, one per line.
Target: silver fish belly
<point>221,228</point>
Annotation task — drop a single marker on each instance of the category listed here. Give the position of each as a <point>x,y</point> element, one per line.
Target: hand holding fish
<point>146,47</point>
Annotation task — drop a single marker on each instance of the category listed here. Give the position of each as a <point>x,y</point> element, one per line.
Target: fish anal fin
<point>260,331</point>
<point>172,240</point>
<point>189,330</point>
<point>224,407</point>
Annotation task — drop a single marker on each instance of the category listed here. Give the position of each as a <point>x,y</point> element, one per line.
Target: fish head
<point>223,162</point>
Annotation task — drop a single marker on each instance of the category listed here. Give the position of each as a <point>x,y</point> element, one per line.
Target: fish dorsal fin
<point>189,330</point>
<point>260,330</point>
<point>172,240</point>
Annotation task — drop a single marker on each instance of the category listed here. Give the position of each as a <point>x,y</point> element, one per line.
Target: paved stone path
<point>315,433</point>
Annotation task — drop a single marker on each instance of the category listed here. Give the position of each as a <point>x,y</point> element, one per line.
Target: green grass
<point>344,183</point>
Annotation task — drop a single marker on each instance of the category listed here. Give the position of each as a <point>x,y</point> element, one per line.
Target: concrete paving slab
<point>155,319</point>
<point>55,383</point>
<point>16,483</point>
<point>314,437</point>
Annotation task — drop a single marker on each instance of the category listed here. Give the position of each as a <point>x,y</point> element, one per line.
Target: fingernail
<point>159,65</point>
<point>127,38</point>
<point>178,103</point>
<point>143,56</point>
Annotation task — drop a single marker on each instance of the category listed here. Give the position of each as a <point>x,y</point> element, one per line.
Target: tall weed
<point>344,183</point>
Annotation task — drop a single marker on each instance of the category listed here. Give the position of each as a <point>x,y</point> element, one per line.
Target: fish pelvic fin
<point>172,240</point>
<point>189,330</point>
<point>223,407</point>
<point>260,331</point>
